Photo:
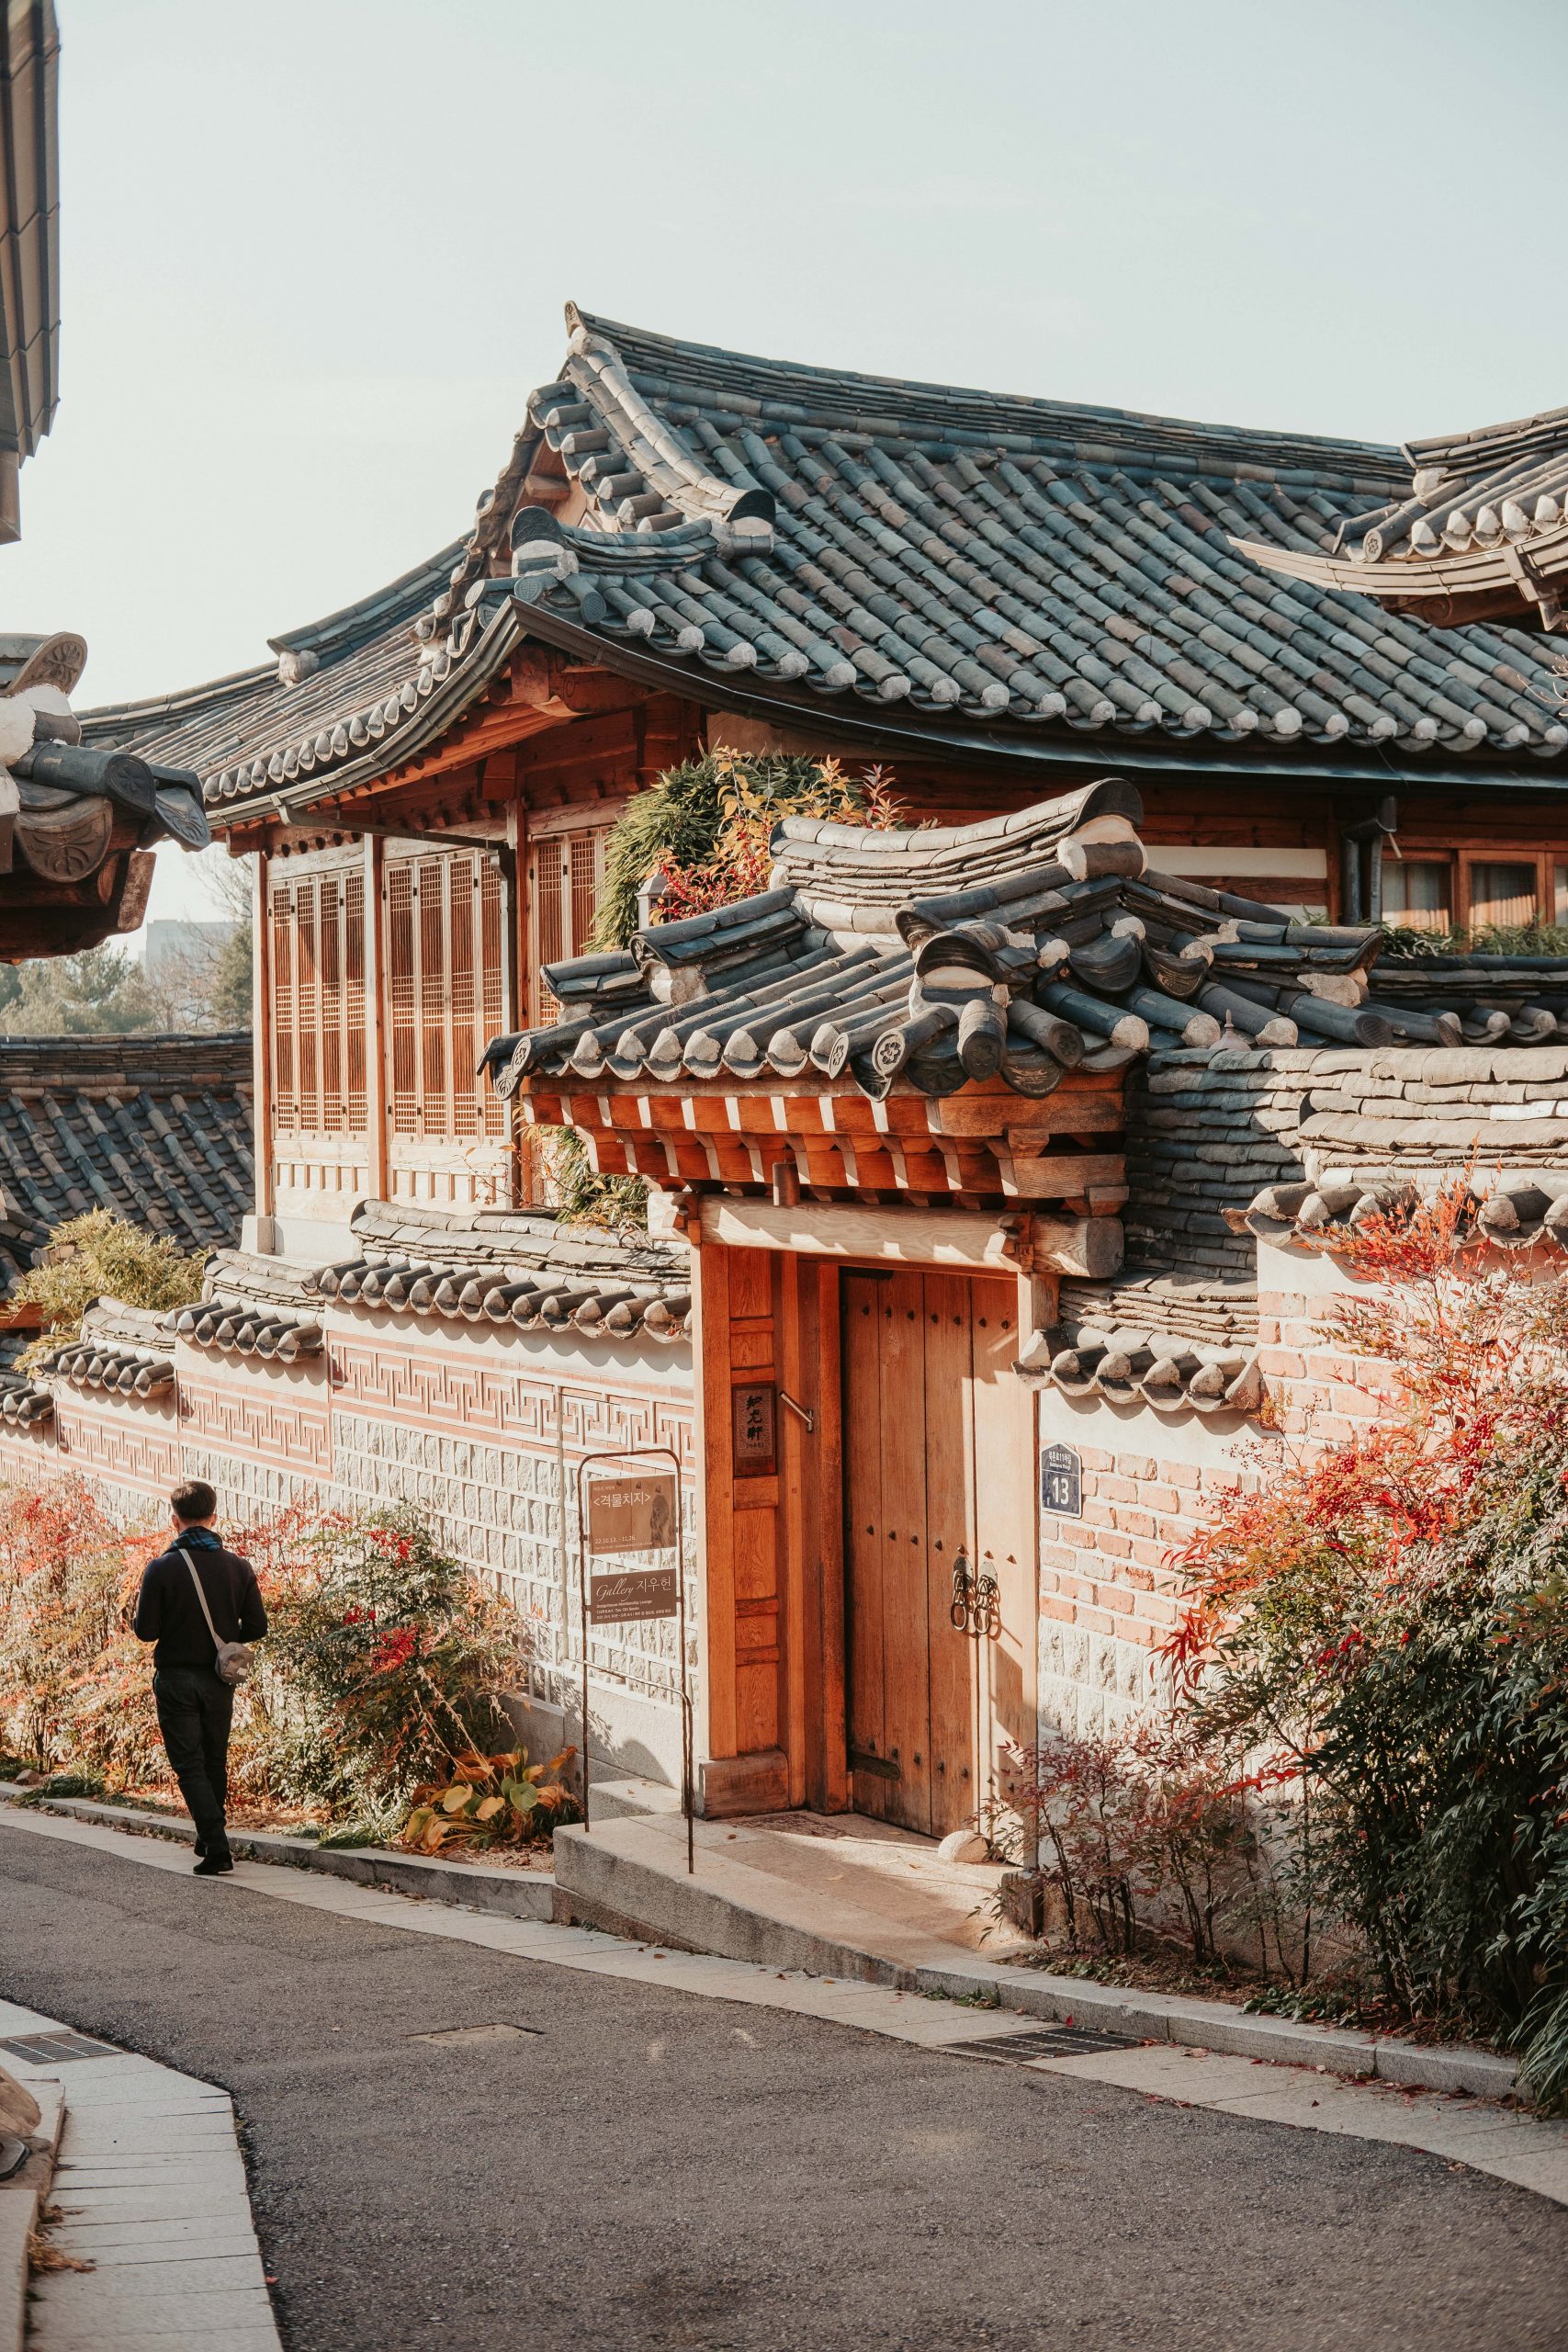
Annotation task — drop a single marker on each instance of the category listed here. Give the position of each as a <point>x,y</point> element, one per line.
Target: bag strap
<point>200,1595</point>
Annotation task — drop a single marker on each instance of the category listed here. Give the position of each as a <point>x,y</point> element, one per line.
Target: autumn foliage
<point>384,1661</point>
<point>1382,1625</point>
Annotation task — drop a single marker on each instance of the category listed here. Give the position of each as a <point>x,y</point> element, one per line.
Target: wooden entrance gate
<point>938,1542</point>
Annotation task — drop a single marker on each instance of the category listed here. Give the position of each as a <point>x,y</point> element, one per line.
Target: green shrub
<point>716,812</point>
<point>100,1255</point>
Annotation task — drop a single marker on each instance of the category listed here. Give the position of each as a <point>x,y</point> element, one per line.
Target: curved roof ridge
<point>1309,448</point>
<point>653,446</point>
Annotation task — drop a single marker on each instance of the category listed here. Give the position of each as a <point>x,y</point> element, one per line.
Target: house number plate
<point>1061,1482</point>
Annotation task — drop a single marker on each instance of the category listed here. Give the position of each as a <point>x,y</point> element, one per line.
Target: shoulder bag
<point>233,1659</point>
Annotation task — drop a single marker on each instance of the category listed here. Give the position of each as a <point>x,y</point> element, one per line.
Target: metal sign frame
<point>642,1453</point>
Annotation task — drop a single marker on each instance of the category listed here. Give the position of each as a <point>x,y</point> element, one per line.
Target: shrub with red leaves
<point>1382,1622</point>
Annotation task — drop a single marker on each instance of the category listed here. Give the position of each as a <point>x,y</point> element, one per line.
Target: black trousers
<point>196,1708</point>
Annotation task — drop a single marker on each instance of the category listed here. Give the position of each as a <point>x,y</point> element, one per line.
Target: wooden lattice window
<point>565,874</point>
<point>444,987</point>
<point>318,1004</point>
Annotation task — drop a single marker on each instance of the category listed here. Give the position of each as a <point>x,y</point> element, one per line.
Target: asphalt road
<point>642,2169</point>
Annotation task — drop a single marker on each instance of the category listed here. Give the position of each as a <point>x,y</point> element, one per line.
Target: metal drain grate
<point>1046,2042</point>
<point>52,2049</point>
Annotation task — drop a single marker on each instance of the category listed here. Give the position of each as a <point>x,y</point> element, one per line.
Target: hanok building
<point>980,1149</point>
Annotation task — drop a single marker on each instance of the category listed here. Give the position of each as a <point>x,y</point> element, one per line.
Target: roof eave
<point>958,745</point>
<point>448,703</point>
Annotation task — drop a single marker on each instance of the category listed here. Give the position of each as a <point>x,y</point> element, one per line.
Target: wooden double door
<point>939,1542</point>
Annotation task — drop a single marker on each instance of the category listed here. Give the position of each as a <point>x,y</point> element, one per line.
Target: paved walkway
<point>1512,2147</point>
<point>502,2134</point>
<point>150,2187</point>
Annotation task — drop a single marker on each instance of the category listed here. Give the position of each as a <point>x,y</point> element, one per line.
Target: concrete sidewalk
<point>150,2187</point>
<point>831,1896</point>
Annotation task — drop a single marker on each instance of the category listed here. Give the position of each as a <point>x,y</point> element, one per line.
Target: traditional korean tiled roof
<point>980,560</point>
<point>497,1266</point>
<point>155,1129</point>
<point>77,820</point>
<point>24,1403</point>
<point>1174,1342</point>
<point>249,1307</point>
<point>121,1348</point>
<point>345,698</point>
<point>1481,525</point>
<point>1020,946</point>
<point>1510,1210</point>
<point>924,568</point>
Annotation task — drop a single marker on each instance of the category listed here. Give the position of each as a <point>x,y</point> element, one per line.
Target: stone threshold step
<point>517,1894</point>
<point>629,1878</point>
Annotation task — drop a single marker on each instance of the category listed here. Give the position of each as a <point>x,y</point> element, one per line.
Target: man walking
<point>195,1703</point>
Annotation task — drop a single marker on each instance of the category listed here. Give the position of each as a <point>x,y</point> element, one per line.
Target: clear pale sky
<point>315,251</point>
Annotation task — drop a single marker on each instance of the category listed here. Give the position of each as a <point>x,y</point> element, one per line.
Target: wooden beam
<point>912,1237</point>
<point>1064,1113</point>
<point>260,1032</point>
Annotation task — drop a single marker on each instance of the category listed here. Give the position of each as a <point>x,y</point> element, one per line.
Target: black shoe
<point>214,1865</point>
<point>200,1848</point>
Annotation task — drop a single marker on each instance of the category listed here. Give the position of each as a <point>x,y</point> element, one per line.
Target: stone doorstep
<point>628,1876</point>
<point>518,1895</point>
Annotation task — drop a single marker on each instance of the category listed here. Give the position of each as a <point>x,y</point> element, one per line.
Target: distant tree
<point>231,993</point>
<point>101,992</point>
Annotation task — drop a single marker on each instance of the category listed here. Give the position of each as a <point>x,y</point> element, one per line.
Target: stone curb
<point>516,1894</point>
<point>627,1898</point>
<point>1153,2017</point>
<point>18,2214</point>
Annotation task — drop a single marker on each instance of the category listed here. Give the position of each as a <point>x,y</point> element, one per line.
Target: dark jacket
<point>168,1613</point>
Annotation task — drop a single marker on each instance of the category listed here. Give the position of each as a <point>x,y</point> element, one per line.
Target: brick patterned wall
<point>1108,1595</point>
<point>1108,1590</point>
<point>1319,1394</point>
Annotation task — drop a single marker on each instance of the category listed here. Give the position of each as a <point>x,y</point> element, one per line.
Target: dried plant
<point>100,1255</point>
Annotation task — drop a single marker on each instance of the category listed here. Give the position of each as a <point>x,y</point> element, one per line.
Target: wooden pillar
<point>736,1302</point>
<point>817,1623</point>
<point>710,1364</point>
<point>527,1182</point>
<point>798,1446</point>
<point>378,1024</point>
<point>261,1033</point>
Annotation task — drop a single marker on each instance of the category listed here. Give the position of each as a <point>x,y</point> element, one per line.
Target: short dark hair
<point>192,1499</point>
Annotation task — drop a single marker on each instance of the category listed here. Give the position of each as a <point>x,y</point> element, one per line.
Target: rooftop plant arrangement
<point>1402,941</point>
<point>698,840</point>
<point>700,833</point>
